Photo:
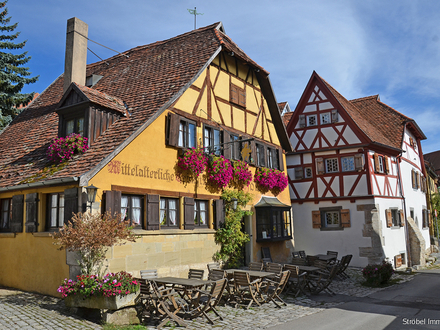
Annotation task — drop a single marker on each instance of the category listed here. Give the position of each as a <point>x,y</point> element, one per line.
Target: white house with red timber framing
<point>356,178</point>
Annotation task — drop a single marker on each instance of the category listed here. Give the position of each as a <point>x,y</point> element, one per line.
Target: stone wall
<point>372,229</point>
<point>417,244</point>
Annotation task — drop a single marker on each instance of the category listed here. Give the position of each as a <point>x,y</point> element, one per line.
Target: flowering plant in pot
<point>64,148</point>
<point>242,176</point>
<point>219,172</point>
<point>270,179</point>
<point>191,164</point>
<point>378,274</point>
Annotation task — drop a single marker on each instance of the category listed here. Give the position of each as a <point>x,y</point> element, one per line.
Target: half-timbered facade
<point>140,110</point>
<point>356,180</point>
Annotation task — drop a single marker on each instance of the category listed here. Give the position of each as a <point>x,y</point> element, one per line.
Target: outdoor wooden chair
<point>302,254</point>
<point>149,273</point>
<point>196,274</point>
<point>296,282</point>
<point>213,265</point>
<point>204,302</point>
<point>320,281</point>
<point>343,264</point>
<point>274,267</point>
<point>333,254</point>
<point>265,254</point>
<point>299,261</point>
<point>322,265</point>
<point>311,260</point>
<point>295,254</point>
<point>258,266</point>
<point>246,292</point>
<point>272,288</point>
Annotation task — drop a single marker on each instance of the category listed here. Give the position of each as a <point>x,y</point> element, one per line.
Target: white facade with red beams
<point>356,178</point>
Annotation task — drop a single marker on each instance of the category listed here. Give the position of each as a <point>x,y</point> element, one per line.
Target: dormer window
<point>75,125</point>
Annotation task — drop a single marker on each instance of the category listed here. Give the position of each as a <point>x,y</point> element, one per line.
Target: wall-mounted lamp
<point>91,194</point>
<point>234,202</point>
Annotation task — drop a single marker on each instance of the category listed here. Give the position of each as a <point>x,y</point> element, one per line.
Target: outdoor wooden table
<point>252,273</point>
<point>308,269</point>
<point>186,284</point>
<point>325,257</point>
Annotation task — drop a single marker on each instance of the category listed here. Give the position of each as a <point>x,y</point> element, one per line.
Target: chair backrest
<point>216,274</point>
<point>311,260</point>
<point>345,261</point>
<point>274,267</point>
<point>217,290</point>
<point>145,286</point>
<point>302,254</point>
<point>241,279</point>
<point>213,265</point>
<point>294,270</point>
<point>265,253</point>
<point>332,253</point>
<point>149,273</point>
<point>258,266</point>
<point>322,264</point>
<point>295,254</point>
<point>196,274</point>
<point>299,261</point>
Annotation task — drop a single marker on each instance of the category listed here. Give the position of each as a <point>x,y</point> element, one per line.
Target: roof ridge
<point>376,96</point>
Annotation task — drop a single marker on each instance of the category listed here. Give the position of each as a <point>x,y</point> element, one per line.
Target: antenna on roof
<point>195,13</point>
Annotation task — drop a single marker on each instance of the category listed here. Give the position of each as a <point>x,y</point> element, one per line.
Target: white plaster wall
<point>293,160</point>
<point>350,136</point>
<point>315,241</point>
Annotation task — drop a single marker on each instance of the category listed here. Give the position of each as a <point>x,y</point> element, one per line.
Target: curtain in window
<point>181,133</point>
<point>61,210</point>
<point>5,212</point>
<point>124,207</point>
<point>202,213</point>
<point>163,220</point>
<point>53,210</point>
<point>172,207</point>
<point>136,210</point>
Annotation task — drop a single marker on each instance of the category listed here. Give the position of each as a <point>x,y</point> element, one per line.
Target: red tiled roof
<point>281,106</point>
<point>286,117</point>
<point>148,80</point>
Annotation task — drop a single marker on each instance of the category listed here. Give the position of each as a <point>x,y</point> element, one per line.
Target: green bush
<point>378,274</point>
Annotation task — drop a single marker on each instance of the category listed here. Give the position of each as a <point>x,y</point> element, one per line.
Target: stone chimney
<point>76,53</point>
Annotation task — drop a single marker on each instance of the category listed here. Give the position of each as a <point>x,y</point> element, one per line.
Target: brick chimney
<point>76,53</point>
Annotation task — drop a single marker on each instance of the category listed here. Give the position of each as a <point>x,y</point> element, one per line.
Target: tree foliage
<point>13,76</point>
<point>230,236</point>
<point>91,235</point>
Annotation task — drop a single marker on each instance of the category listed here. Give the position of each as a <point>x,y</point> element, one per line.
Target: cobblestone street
<point>22,310</point>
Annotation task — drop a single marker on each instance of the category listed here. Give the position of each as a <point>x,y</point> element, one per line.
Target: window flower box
<point>270,179</point>
<point>242,176</point>
<point>101,302</point>
<point>219,172</point>
<point>64,148</point>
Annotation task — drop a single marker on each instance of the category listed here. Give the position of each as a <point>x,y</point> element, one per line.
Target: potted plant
<point>190,165</point>
<point>376,275</point>
<point>242,176</point>
<point>270,179</point>
<point>219,172</point>
<point>64,148</point>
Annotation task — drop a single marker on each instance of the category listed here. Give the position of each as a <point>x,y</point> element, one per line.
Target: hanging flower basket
<point>64,148</point>
<point>193,160</point>
<point>242,176</point>
<point>269,179</point>
<point>219,172</point>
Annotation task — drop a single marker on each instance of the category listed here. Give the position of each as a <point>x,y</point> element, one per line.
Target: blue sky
<point>361,48</point>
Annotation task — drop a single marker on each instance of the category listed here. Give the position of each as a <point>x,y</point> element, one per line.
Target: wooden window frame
<point>272,158</point>
<point>197,212</point>
<point>177,124</point>
<point>319,218</point>
<point>60,216</point>
<point>167,210</point>
<point>129,213</point>
<point>5,226</point>
<point>209,142</point>
<point>260,155</point>
<point>235,146</point>
<point>265,217</point>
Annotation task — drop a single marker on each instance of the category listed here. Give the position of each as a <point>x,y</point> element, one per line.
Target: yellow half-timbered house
<point>139,110</point>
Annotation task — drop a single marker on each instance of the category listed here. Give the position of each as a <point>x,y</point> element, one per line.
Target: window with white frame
<point>5,214</point>
<point>311,120</point>
<point>347,164</point>
<point>326,118</point>
<point>131,209</point>
<point>55,211</point>
<point>381,165</point>
<point>187,134</point>
<point>201,213</point>
<point>331,165</point>
<point>168,212</point>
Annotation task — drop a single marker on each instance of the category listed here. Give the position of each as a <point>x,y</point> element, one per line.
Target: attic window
<point>75,125</point>
<point>93,79</point>
<point>238,96</point>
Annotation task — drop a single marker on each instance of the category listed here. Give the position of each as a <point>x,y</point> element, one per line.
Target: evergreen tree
<point>13,76</point>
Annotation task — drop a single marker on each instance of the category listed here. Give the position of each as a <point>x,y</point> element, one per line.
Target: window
<point>235,147</point>
<point>260,155</point>
<point>311,120</point>
<point>238,96</point>
<point>272,158</point>
<point>394,217</point>
<point>347,164</point>
<point>212,140</point>
<point>55,211</point>
<point>425,218</point>
<point>308,173</point>
<point>75,125</point>
<point>381,164</point>
<point>169,212</point>
<point>331,165</point>
<point>273,223</point>
<point>201,213</point>
<point>187,134</point>
<point>331,218</point>
<point>326,118</point>
<point>5,214</point>
<point>299,173</point>
<point>132,209</point>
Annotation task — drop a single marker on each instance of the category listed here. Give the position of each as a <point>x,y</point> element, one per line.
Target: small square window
<point>326,118</point>
<point>332,218</point>
<point>331,165</point>
<point>347,164</point>
<point>311,120</point>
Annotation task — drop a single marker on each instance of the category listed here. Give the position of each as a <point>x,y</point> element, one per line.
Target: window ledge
<point>284,238</point>
<point>43,234</point>
<point>331,229</point>
<point>7,235</point>
<point>173,231</point>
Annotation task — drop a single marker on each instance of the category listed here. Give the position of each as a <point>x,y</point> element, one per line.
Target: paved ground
<point>22,310</point>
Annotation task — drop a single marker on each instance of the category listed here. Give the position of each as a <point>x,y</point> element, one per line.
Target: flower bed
<point>64,148</point>
<point>112,284</point>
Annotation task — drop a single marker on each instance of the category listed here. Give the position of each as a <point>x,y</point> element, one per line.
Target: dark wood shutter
<point>419,177</point>
<point>16,224</point>
<point>335,116</point>
<point>316,219</point>
<point>227,147</point>
<point>302,120</point>
<point>345,218</point>
<point>376,163</point>
<point>389,218</point>
<point>173,130</point>
<point>402,218</point>
<point>398,261</point>
<point>219,213</point>
<point>280,159</point>
<point>153,211</point>
<point>320,165</point>
<point>70,204</point>
<point>234,94</point>
<point>387,165</point>
<point>359,162</point>
<point>188,212</point>
<point>31,213</point>
<point>113,202</point>
<point>299,173</point>
<point>242,97</point>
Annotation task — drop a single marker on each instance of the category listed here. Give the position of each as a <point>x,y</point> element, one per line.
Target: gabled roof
<point>380,124</point>
<point>434,159</point>
<point>147,79</point>
<point>286,117</point>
